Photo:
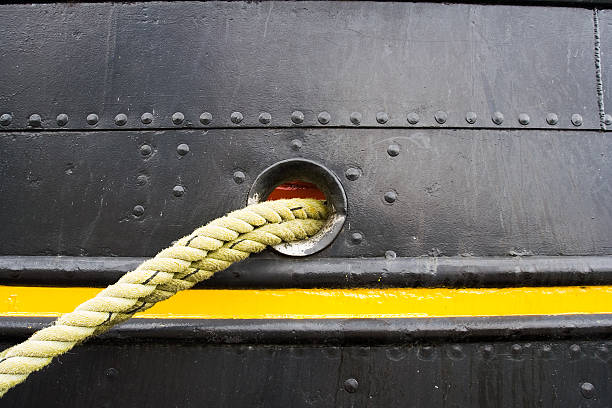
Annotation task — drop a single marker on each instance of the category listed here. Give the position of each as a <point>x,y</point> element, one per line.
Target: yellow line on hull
<point>328,303</point>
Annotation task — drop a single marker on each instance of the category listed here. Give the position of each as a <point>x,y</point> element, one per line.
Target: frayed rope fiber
<point>189,260</point>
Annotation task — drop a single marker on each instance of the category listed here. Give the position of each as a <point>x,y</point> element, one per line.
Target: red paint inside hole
<point>296,189</point>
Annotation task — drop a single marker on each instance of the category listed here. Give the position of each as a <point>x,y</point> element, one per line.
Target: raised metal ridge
<point>330,272</point>
<point>340,331</point>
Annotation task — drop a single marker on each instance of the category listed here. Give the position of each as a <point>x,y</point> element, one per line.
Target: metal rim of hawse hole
<point>317,174</point>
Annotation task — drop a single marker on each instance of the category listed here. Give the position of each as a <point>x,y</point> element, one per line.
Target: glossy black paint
<point>192,372</point>
<point>245,59</point>
<point>459,192</point>
<point>457,130</point>
<point>279,272</point>
<point>341,332</point>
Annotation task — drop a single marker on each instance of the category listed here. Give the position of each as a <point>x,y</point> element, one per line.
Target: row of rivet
<point>351,385</point>
<point>489,351</point>
<point>178,190</point>
<point>587,389</point>
<point>297,117</point>
<point>352,174</point>
<point>182,149</point>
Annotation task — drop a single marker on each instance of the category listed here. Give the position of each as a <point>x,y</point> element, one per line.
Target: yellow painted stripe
<point>329,303</point>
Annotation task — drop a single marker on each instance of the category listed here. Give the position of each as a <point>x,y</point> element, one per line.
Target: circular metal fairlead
<point>317,174</point>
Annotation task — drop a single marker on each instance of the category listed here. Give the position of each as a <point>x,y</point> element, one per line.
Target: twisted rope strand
<point>189,260</point>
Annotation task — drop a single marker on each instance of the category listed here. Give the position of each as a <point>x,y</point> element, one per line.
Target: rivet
<point>396,353</point>
<point>456,351</point>
<point>145,150</point>
<point>111,372</point>
<point>523,119</point>
<point>393,150</point>
<point>178,118</point>
<point>552,119</point>
<point>178,191</point>
<point>324,118</point>
<point>352,173</point>
<point>497,118</point>
<point>142,180</point>
<point>356,118</point>
<point>182,149</point>
<point>390,254</point>
<point>602,352</point>
<point>608,119</point>
<point>239,177</point>
<point>546,350</point>
<point>297,117</point>
<point>471,117</point>
<point>440,117</point>
<point>206,118</point>
<point>92,119</point>
<point>487,351</point>
<point>390,197</point>
<point>587,390</point>
<point>265,118</point>
<point>138,210</point>
<point>356,237</point>
<point>62,119</point>
<point>413,118</point>
<point>574,349</point>
<point>382,117</point>
<point>576,119</point>
<point>120,119</point>
<point>5,119</point>
<point>146,118</point>
<point>351,385</point>
<point>236,117</point>
<point>296,144</point>
<point>425,352</point>
<point>35,120</point>
<point>516,349</point>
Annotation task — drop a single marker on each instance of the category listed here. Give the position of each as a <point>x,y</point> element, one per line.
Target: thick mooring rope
<point>188,261</point>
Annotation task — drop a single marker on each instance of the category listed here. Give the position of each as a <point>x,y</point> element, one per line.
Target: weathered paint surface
<point>329,303</point>
<point>436,61</point>
<point>459,191</point>
<point>191,374</point>
<point>457,130</point>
